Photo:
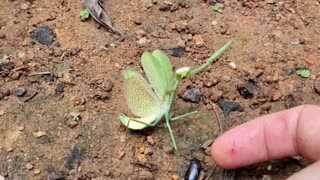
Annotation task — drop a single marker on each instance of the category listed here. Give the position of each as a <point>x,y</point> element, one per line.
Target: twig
<point>39,73</point>
<point>32,96</point>
<point>218,118</point>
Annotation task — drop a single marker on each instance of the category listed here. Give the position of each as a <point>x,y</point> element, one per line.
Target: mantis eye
<point>182,72</point>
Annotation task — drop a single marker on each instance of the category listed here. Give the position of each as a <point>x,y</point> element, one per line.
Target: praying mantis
<point>151,102</point>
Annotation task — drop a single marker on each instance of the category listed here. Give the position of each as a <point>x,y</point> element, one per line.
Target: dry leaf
<point>100,14</point>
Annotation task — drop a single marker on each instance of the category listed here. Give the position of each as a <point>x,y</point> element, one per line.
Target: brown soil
<point>82,74</point>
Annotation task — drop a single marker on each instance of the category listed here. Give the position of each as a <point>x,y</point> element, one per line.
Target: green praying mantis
<point>151,102</point>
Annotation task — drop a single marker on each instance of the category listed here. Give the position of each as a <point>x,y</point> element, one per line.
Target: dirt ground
<point>53,64</point>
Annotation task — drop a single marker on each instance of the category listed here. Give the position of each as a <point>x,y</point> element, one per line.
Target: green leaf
<point>305,73</point>
<point>84,14</point>
<point>218,9</point>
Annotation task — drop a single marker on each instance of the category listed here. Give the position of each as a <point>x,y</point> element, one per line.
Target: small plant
<point>218,9</point>
<point>84,14</point>
<point>151,102</point>
<point>75,116</point>
<point>305,73</point>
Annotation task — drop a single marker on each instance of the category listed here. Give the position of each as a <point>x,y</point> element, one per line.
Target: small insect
<point>151,101</point>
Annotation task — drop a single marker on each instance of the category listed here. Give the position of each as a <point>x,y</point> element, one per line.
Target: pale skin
<point>287,133</point>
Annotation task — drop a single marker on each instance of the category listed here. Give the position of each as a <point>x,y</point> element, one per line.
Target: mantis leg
<point>170,132</point>
<point>184,115</point>
<point>154,123</point>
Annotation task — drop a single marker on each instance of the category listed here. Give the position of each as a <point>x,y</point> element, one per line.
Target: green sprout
<point>75,116</point>
<point>85,14</point>
<point>218,9</point>
<point>305,73</point>
<point>150,102</point>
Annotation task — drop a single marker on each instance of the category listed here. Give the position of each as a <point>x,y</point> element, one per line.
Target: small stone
<point>72,123</point>
<point>175,177</point>
<point>59,89</point>
<point>192,95</point>
<point>141,158</point>
<point>25,6</point>
<point>177,52</point>
<point>36,171</point>
<point>21,128</point>
<point>276,96</point>
<point>233,65</point>
<point>215,95</point>
<point>19,92</point>
<point>214,23</point>
<point>21,55</point>
<point>150,140</point>
<point>207,144</point>
<point>140,33</point>
<point>248,90</point>
<point>146,175</point>
<point>147,4</point>
<point>121,154</point>
<point>269,168</point>
<point>181,43</point>
<point>39,134</point>
<point>148,151</point>
<point>317,85</point>
<point>198,40</point>
<point>228,107</point>
<point>141,150</point>
<point>226,78</point>
<point>142,41</point>
<point>44,35</point>
<point>29,166</point>
<point>270,1</point>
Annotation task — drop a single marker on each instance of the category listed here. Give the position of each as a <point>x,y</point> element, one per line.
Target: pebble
<point>59,89</point>
<point>276,96</point>
<point>19,92</point>
<point>248,90</point>
<point>72,123</point>
<point>215,95</point>
<point>228,107</point>
<point>317,85</point>
<point>36,171</point>
<point>146,175</point>
<point>148,151</point>
<point>233,65</point>
<point>44,35</point>
<point>175,177</point>
<point>150,140</point>
<point>29,166</point>
<point>177,52</point>
<point>39,134</point>
<point>194,170</point>
<point>198,40</point>
<point>214,23</point>
<point>226,78</point>
<point>147,4</point>
<point>21,128</point>
<point>121,154</point>
<point>142,41</point>
<point>192,95</point>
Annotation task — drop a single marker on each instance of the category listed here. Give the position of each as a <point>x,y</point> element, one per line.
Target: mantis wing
<point>166,66</point>
<point>140,98</point>
<point>155,74</point>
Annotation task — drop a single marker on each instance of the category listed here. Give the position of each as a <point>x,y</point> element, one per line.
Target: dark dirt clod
<point>44,35</point>
<point>247,91</point>
<point>228,107</point>
<point>317,85</point>
<point>53,174</point>
<point>194,170</point>
<point>192,95</point>
<point>6,65</point>
<point>177,52</point>
<point>20,92</point>
<point>76,157</point>
<point>59,89</point>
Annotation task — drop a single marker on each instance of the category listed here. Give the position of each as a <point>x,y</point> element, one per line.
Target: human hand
<point>287,133</point>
